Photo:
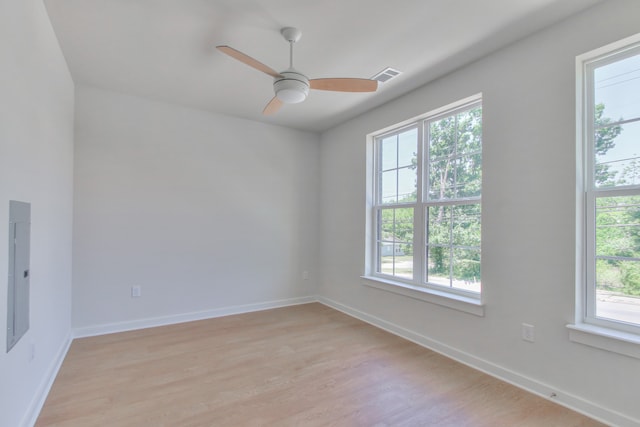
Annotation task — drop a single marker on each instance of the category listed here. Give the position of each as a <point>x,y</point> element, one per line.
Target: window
<point>610,140</point>
<point>426,204</point>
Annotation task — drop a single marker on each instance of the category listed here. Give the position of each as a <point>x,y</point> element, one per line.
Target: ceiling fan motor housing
<point>292,87</point>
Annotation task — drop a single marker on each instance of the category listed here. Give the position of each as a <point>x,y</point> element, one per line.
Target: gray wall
<point>528,212</point>
<point>36,166</point>
<point>202,211</point>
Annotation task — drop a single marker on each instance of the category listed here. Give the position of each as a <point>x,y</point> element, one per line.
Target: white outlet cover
<point>528,332</point>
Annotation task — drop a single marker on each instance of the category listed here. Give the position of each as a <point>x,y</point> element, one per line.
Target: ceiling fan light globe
<point>291,96</point>
<point>292,88</point>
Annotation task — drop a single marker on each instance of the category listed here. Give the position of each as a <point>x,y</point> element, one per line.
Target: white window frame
<point>418,288</point>
<point>587,328</point>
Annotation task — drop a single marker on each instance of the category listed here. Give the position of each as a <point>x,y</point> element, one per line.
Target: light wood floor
<point>306,365</point>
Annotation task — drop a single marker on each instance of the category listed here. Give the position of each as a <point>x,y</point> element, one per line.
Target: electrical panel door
<point>19,273</point>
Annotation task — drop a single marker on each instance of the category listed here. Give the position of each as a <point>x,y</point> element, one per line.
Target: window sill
<point>605,339</point>
<point>445,299</point>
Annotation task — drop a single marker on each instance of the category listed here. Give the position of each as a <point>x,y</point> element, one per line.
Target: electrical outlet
<point>305,275</point>
<point>136,291</point>
<point>528,332</point>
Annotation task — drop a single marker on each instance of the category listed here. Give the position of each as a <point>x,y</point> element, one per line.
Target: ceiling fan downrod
<point>291,35</point>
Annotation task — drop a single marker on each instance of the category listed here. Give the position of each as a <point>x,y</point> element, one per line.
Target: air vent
<point>386,75</point>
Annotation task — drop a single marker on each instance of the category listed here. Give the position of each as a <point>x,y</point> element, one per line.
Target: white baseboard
<point>546,391</point>
<point>42,392</point>
<point>186,317</point>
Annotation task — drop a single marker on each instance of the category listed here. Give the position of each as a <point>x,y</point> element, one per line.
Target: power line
<point>618,75</point>
<point>618,83</point>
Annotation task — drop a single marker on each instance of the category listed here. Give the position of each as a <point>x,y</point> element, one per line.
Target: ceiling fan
<point>290,85</point>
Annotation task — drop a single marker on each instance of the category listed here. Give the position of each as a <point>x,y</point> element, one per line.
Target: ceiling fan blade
<point>236,54</point>
<point>344,85</point>
<point>272,107</point>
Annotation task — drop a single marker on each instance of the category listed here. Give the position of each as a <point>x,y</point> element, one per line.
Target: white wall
<point>528,218</point>
<point>203,211</point>
<point>36,166</point>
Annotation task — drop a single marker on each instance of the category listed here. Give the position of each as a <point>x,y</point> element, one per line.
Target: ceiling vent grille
<point>386,75</point>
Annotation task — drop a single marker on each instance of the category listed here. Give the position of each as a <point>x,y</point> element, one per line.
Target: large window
<point>427,201</point>
<point>610,127</point>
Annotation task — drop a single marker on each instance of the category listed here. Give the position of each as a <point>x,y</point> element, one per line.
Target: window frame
<point>418,287</point>
<point>613,335</point>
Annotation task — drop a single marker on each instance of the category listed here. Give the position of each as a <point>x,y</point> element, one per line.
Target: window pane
<point>398,160</point>
<point>454,263</point>
<point>439,245</point>
<point>395,243</point>
<point>408,148</point>
<point>617,238</point>
<point>395,260</point>
<point>389,186</point>
<point>438,225</point>
<point>469,175</point>
<point>404,261</point>
<point>441,180</point>
<point>403,225</point>
<point>469,131</point>
<point>407,185</point>
<point>438,265</point>
<point>386,222</point>
<point>617,150</point>
<point>618,290</point>
<point>616,89</point>
<point>618,226</point>
<point>389,153</point>
<point>386,258</point>
<point>466,269</point>
<point>466,225</point>
<point>442,138</point>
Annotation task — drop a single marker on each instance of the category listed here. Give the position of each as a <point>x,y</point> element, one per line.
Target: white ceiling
<point>165,49</point>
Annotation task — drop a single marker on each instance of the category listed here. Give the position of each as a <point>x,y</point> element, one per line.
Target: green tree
<point>618,237</point>
<point>605,136</point>
<point>630,278</point>
<point>631,173</point>
<point>631,270</point>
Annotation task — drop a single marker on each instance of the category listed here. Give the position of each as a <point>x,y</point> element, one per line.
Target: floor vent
<point>386,75</point>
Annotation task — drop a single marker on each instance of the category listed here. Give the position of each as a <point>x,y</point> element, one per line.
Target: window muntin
<point>612,147</point>
<point>427,194</point>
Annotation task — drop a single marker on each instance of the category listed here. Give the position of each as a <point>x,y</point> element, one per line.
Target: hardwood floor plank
<point>306,365</point>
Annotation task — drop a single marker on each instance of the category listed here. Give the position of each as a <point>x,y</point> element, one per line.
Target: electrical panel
<point>19,273</point>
